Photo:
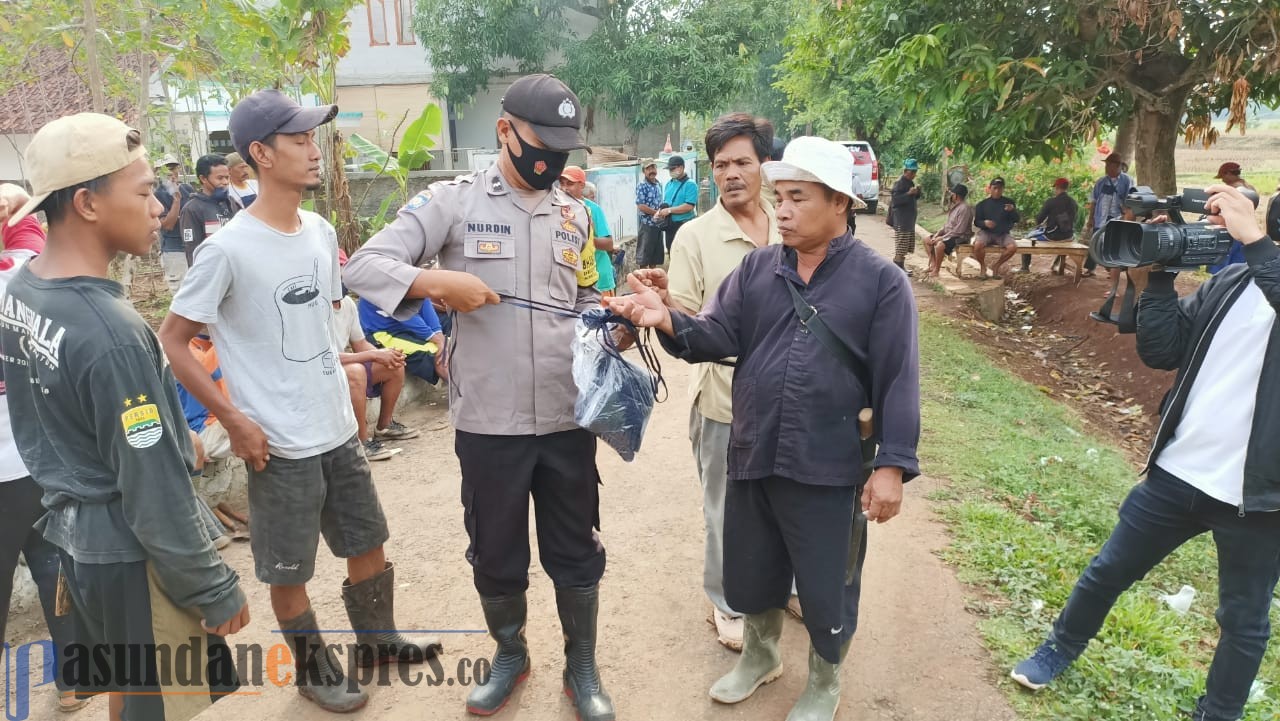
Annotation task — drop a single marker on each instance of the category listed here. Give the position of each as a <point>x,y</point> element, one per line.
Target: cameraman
<point>1214,465</point>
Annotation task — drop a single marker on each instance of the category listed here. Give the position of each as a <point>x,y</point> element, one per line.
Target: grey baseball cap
<point>550,107</point>
<point>268,112</point>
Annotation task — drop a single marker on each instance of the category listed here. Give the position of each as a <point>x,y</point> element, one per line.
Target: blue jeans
<point>1161,514</point>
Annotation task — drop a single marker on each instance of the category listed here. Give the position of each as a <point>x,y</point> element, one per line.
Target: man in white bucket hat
<point>822,327</point>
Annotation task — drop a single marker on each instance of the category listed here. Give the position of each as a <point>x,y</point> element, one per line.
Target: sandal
<point>68,703</point>
<point>1086,273</point>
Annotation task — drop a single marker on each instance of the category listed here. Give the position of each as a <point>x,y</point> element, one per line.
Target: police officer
<point>511,387</point>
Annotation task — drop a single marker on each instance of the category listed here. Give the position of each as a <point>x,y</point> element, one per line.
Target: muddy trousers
<point>775,528</point>
<point>499,474</point>
<point>1159,515</point>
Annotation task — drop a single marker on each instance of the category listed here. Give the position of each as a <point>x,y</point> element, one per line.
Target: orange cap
<point>574,174</point>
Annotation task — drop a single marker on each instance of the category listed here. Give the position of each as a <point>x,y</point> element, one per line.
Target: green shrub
<point>1030,182</point>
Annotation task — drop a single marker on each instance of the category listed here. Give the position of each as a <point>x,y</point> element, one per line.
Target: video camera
<point>1176,245</point>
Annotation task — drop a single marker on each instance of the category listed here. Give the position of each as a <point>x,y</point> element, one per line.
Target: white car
<point>866,172</point>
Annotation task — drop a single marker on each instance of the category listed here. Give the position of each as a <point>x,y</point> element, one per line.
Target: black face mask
<point>538,167</point>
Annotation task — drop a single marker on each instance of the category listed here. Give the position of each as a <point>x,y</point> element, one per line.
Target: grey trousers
<point>174,263</point>
<point>710,441</point>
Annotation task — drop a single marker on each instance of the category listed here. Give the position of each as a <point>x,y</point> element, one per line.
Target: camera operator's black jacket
<point>1175,333</point>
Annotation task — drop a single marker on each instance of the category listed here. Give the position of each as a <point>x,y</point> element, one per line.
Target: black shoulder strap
<point>810,319</point>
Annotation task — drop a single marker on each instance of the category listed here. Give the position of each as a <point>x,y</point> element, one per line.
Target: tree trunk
<point>1157,138</point>
<point>1127,138</point>
<point>144,73</point>
<point>94,71</point>
<point>348,226</point>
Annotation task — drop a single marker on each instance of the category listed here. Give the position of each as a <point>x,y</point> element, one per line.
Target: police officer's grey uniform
<point>511,388</point>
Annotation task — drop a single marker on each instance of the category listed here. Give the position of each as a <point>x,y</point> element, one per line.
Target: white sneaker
<point>729,630</point>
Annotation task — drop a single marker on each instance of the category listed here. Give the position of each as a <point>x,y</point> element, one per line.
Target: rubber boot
<point>760,662</point>
<point>505,617</point>
<point>578,610</point>
<point>371,608</point>
<point>821,695</point>
<point>319,675</point>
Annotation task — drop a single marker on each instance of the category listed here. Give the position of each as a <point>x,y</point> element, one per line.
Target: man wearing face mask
<point>511,387</point>
<point>211,208</point>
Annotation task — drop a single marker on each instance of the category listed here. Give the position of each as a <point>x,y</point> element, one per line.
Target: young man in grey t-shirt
<point>264,286</point>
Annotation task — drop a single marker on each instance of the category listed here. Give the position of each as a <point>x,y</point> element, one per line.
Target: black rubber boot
<point>505,617</point>
<point>319,675</point>
<point>578,610</point>
<point>371,608</point>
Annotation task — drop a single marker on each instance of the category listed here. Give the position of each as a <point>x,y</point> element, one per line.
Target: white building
<point>386,74</point>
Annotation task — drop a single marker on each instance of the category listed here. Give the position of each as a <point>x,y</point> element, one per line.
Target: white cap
<point>72,150</point>
<point>816,160</point>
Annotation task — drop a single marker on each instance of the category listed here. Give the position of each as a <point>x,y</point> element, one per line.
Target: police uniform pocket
<point>566,260</point>
<point>492,259</point>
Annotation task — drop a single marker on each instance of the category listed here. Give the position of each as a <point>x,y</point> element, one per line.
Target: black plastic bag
<point>615,396</point>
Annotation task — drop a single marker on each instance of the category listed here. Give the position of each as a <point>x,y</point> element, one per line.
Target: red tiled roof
<point>59,89</point>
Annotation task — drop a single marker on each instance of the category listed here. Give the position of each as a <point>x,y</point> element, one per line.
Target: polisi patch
<point>142,428</point>
<point>569,236</point>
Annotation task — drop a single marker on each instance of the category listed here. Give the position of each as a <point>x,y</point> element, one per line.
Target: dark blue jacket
<point>795,406</point>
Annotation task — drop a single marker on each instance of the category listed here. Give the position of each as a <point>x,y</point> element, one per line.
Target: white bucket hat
<point>816,160</point>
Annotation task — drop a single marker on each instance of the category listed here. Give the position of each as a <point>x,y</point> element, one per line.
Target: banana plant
<point>413,152</point>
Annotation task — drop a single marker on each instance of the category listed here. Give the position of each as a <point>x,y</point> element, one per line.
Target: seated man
<point>211,436</point>
<point>420,338</point>
<point>371,373</point>
<point>957,231</point>
<point>1058,218</point>
<point>994,217</point>
<point>208,438</point>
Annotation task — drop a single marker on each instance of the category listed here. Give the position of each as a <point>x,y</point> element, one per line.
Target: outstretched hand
<point>644,307</point>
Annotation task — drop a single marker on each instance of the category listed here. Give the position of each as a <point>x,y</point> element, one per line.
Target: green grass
<point>1032,499</point>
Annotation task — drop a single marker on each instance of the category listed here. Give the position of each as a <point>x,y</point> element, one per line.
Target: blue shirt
<point>171,240</point>
<point>679,192</point>
<point>604,260</point>
<point>649,194</point>
<point>422,326</point>
<point>194,411</point>
<point>795,405</point>
<point>1108,198</point>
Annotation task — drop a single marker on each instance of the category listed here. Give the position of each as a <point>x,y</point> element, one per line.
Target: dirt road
<point>916,656</point>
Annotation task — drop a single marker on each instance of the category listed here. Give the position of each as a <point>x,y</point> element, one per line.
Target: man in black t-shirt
<point>211,208</point>
<point>994,217</point>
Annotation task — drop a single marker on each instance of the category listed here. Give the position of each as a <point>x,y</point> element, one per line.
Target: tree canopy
<point>643,60</point>
<point>1006,78</point>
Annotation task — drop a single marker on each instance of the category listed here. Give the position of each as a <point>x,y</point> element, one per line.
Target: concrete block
<point>990,302</point>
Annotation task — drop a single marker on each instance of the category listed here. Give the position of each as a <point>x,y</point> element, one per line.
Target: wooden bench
<point>1075,252</point>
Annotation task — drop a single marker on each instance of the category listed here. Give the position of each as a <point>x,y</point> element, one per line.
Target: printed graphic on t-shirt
<point>304,319</point>
<point>38,338</point>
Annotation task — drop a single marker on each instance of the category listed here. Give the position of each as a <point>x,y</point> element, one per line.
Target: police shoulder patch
<point>418,200</point>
